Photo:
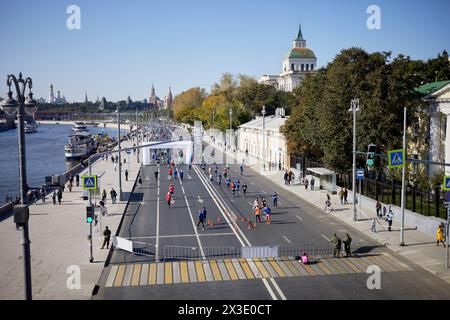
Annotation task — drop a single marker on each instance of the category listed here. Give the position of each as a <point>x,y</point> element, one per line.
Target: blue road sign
<point>359,174</point>
<point>128,151</point>
<point>447,196</point>
<point>447,183</point>
<point>396,158</point>
<point>89,182</point>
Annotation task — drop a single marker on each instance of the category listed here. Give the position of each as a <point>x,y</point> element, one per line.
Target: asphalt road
<point>157,228</point>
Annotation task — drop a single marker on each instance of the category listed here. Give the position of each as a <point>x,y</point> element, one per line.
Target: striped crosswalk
<point>176,272</point>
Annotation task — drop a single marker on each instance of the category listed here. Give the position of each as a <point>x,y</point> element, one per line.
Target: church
<point>297,63</point>
<point>156,103</point>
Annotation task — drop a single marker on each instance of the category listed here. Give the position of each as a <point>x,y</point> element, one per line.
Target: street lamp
<point>263,112</point>
<point>354,108</point>
<point>120,159</point>
<point>231,127</point>
<point>11,106</point>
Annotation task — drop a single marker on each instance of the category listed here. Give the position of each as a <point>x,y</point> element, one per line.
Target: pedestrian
<point>241,169</point>
<point>233,187</point>
<point>59,195</point>
<point>104,195</point>
<point>374,225</point>
<point>126,175</point>
<point>341,195</point>
<point>440,235</point>
<point>171,189</point>
<point>43,194</point>
<point>378,209</point>
<point>244,189</point>
<point>113,194</point>
<point>306,184</point>
<point>275,199</point>
<point>389,218</point>
<point>106,237</point>
<point>181,175</point>
<point>77,179</point>
<point>170,171</point>
<point>54,197</point>
<point>115,166</point>
<point>228,183</point>
<point>211,177</point>
<point>267,213</point>
<point>103,209</point>
<point>347,243</point>
<point>156,175</point>
<point>345,196</point>
<point>337,245</point>
<point>70,185</point>
<point>168,198</point>
<point>175,173</point>
<point>286,177</point>
<point>263,202</point>
<point>328,206</point>
<point>312,183</point>
<point>257,211</point>
<point>201,218</point>
<point>384,211</point>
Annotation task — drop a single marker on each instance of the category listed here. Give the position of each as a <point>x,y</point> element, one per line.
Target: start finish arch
<point>187,146</point>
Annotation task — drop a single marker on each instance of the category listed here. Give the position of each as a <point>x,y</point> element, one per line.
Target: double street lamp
<point>21,213</point>
<point>263,112</point>
<point>354,108</point>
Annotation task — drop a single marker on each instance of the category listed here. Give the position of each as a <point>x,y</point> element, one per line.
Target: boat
<point>31,127</point>
<point>79,126</point>
<point>80,146</point>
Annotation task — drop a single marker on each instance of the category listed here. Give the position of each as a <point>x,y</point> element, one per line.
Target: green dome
<point>300,53</point>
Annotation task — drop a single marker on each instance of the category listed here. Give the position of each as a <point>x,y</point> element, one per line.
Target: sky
<point>125,46</point>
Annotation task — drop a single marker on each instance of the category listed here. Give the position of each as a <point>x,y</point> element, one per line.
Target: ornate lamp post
<point>21,213</point>
<point>263,112</point>
<point>354,108</point>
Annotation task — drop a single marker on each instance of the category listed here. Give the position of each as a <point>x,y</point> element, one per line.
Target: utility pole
<point>120,159</point>
<point>91,257</point>
<point>402,228</point>
<point>137,136</point>
<point>263,112</point>
<point>354,108</point>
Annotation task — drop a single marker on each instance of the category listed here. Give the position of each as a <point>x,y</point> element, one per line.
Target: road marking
<point>299,218</point>
<point>231,271</point>
<point>325,237</point>
<point>250,203</point>
<point>168,273</point>
<point>276,267</point>
<point>111,276</point>
<point>152,274</point>
<point>184,272</point>
<point>119,276</point>
<point>136,275</point>
<point>200,273</point>
<point>215,270</point>
<point>264,192</point>
<point>283,297</point>
<point>185,235</point>
<point>157,224</point>
<point>285,238</point>
<point>144,275</point>
<point>272,294</point>
<point>200,199</point>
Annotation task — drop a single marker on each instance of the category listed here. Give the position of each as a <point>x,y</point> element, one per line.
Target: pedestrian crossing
<point>182,272</point>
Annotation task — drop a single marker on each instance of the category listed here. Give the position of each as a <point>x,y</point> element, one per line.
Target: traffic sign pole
<point>447,262</point>
<point>91,257</point>
<point>402,231</point>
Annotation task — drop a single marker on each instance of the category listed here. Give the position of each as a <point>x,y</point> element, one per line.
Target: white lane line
<point>193,222</point>
<point>157,224</point>
<point>272,294</point>
<point>250,203</point>
<point>283,297</point>
<point>299,218</point>
<point>285,238</point>
<point>325,237</point>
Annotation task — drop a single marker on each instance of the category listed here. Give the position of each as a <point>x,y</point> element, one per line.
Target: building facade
<point>251,138</point>
<point>298,62</point>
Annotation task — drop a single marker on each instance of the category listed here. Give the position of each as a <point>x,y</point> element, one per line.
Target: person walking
<point>181,175</point>
<point>267,213</point>
<point>374,225</point>
<point>312,183</point>
<point>106,237</point>
<point>347,243</point>
<point>440,235</point>
<point>201,218</point>
<point>113,194</point>
<point>43,194</point>
<point>341,195</point>
<point>126,174</point>
<point>59,195</point>
<point>337,245</point>
<point>257,211</point>
<point>306,184</point>
<point>211,177</point>
<point>77,180</point>
<point>390,217</point>
<point>285,177</point>
<point>345,196</point>
<point>156,175</point>
<point>241,169</point>
<point>275,199</point>
<point>168,198</point>
<point>378,209</point>
<point>104,195</point>
<point>54,197</point>
<point>70,185</point>
<point>244,188</point>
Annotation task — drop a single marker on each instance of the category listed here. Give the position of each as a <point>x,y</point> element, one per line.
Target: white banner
<point>123,244</point>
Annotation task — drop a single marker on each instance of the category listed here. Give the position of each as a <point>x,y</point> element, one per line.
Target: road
<point>161,230</point>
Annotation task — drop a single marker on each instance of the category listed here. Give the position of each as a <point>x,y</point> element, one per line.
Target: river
<point>44,155</point>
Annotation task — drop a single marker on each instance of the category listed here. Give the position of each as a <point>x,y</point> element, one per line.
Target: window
<point>303,67</point>
<point>312,67</point>
<point>292,67</point>
<point>307,67</point>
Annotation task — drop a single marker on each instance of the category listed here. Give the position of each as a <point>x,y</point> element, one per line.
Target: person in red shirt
<point>171,189</point>
<point>168,198</point>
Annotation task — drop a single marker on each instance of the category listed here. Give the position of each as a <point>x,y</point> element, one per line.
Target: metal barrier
<point>195,253</point>
<point>260,252</point>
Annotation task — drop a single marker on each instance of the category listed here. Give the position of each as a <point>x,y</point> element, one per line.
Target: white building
<point>56,100</point>
<point>250,138</point>
<point>297,63</point>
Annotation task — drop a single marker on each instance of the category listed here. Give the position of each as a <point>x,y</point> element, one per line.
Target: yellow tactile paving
<point>184,272</point>
<point>119,275</point>
<point>231,271</point>
<point>261,268</point>
<point>220,270</point>
<point>215,270</point>
<point>168,273</point>
<point>246,268</point>
<point>152,274</point>
<point>200,273</point>
<point>276,267</point>
<point>136,275</point>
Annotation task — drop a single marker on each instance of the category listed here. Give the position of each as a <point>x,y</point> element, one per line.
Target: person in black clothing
<point>59,195</point>
<point>126,175</point>
<point>77,179</point>
<point>107,236</point>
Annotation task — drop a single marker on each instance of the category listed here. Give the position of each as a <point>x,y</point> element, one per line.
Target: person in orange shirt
<point>258,214</point>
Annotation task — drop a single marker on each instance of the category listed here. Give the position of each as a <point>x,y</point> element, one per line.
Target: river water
<point>44,155</point>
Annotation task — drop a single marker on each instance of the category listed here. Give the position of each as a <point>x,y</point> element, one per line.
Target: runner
<point>241,168</point>
<point>219,179</point>
<point>181,174</point>
<point>228,183</point>
<point>233,188</point>
<point>225,172</point>
<point>171,189</point>
<point>168,198</point>
<point>175,173</point>
<point>170,174</point>
<point>267,213</point>
<point>237,185</point>
<point>257,211</point>
<point>275,199</point>
<point>201,217</point>
<point>244,188</point>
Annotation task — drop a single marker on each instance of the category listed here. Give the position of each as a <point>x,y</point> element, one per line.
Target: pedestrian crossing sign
<point>396,158</point>
<point>89,182</point>
<point>447,183</point>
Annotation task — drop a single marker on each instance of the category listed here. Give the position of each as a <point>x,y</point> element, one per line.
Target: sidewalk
<point>419,248</point>
<point>58,235</point>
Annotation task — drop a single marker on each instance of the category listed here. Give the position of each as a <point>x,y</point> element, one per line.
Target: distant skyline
<point>123,47</point>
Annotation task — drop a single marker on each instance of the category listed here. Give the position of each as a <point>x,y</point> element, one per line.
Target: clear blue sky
<point>126,45</point>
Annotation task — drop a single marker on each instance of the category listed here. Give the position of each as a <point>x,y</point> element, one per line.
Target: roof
<point>271,123</point>
<point>300,53</point>
<point>321,171</point>
<point>300,35</point>
<point>429,88</point>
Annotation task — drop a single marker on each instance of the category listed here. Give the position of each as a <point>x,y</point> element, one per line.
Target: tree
<point>186,102</point>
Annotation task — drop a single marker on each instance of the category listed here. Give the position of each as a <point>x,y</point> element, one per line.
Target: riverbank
<point>108,124</point>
